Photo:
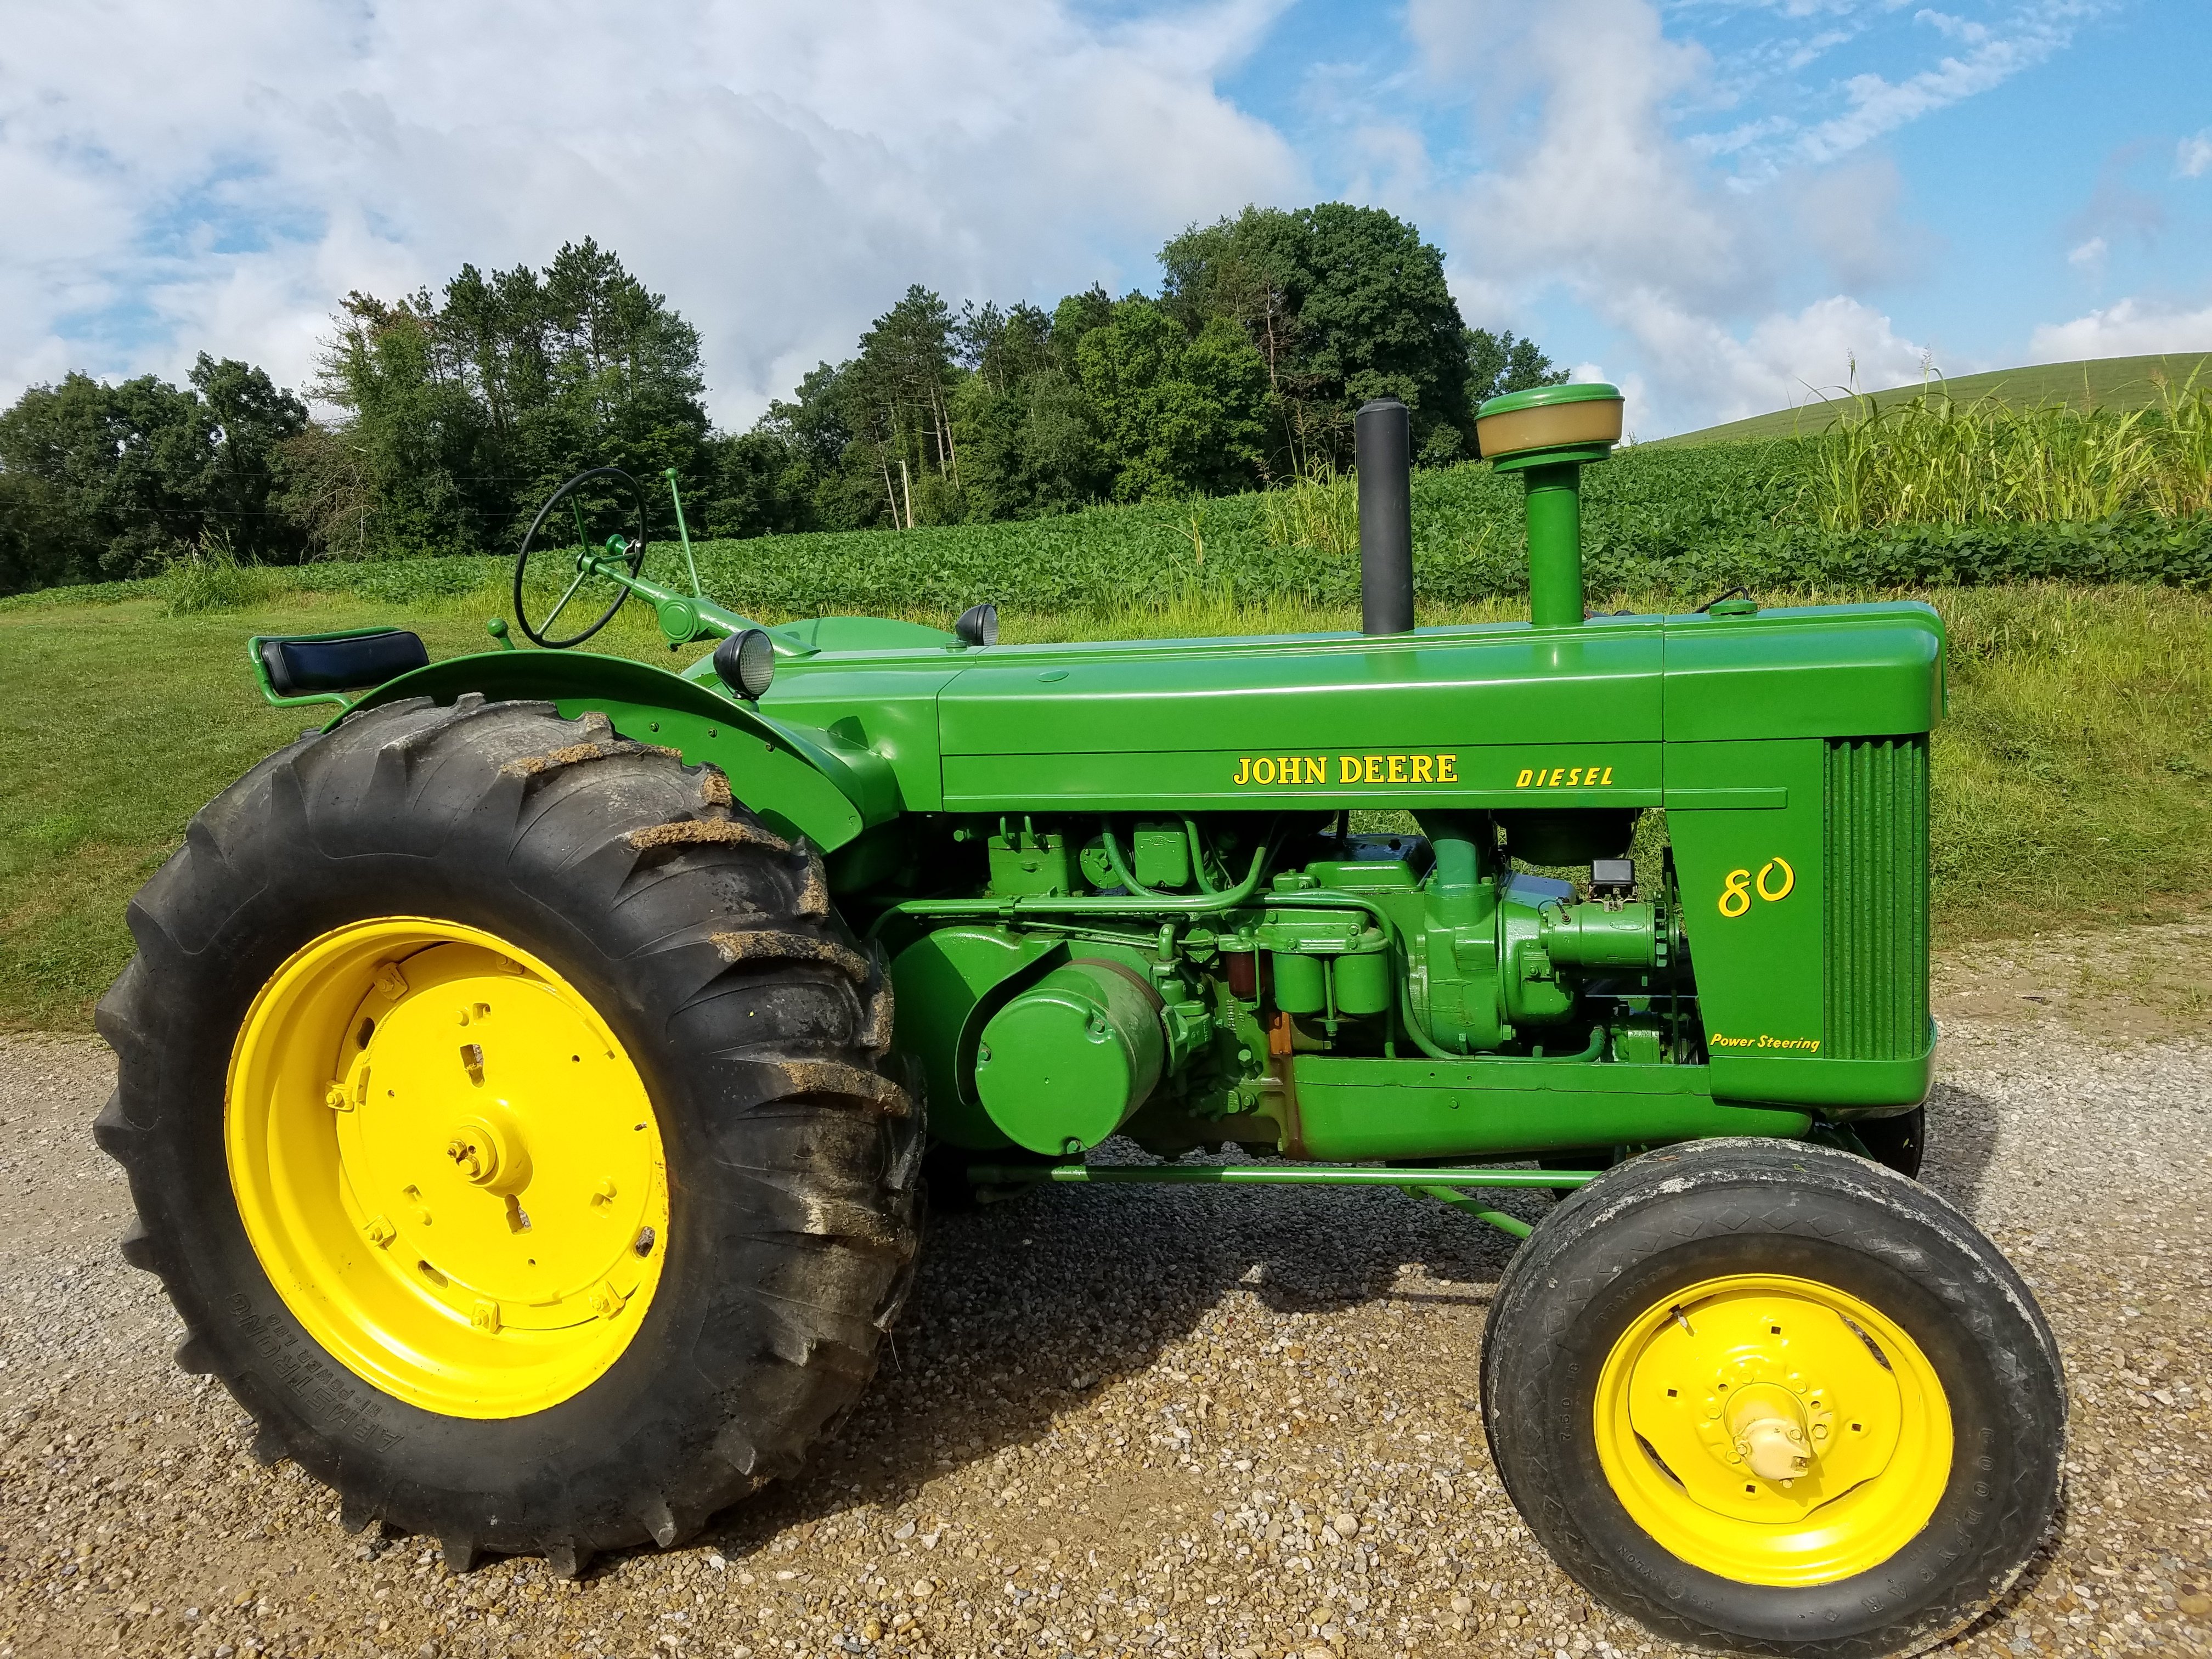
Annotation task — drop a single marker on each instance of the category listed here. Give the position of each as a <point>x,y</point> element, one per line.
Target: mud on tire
<point>761,1033</point>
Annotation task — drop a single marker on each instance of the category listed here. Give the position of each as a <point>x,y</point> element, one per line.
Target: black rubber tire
<point>1896,1142</point>
<point>1671,1218</point>
<point>708,944</point>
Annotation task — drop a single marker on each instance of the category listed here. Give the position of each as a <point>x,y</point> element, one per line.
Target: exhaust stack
<point>1382,436</point>
<point>1546,435</point>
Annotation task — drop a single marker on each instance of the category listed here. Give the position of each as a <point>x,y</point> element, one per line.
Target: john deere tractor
<point>527,1077</point>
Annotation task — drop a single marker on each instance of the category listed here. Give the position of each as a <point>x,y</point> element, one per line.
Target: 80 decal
<point>1736,890</point>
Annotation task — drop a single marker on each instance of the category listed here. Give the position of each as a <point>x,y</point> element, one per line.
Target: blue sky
<point>1717,202</point>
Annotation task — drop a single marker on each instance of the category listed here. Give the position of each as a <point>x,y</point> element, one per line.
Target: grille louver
<point>1877,898</point>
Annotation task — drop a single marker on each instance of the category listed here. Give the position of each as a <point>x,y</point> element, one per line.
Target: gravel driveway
<point>1210,1426</point>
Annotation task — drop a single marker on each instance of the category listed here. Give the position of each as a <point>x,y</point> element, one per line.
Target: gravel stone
<point>1227,1424</point>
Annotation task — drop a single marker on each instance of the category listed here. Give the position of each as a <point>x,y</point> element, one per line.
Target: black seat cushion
<point>296,666</point>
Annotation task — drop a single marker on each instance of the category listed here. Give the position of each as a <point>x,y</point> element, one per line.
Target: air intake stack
<point>1546,435</point>
<point>1382,446</point>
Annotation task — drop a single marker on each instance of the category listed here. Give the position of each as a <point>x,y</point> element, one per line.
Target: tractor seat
<point>324,663</point>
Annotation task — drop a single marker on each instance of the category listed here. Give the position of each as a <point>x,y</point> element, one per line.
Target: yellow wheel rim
<point>447,1165</point>
<point>1773,1430</point>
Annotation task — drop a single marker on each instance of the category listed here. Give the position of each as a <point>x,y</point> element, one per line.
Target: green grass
<point>2119,384</point>
<point>2074,778</point>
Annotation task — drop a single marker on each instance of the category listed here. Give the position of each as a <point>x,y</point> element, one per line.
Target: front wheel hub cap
<point>1772,1429</point>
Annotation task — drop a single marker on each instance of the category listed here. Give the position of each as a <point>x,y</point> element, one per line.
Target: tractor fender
<point>800,779</point>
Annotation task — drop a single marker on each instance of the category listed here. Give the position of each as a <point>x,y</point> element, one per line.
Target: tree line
<point>450,417</point>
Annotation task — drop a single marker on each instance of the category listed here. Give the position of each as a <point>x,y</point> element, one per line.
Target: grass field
<point>2073,780</point>
<point>2115,383</point>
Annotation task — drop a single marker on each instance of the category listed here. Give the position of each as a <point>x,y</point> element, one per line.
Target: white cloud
<point>1599,190</point>
<point>1988,58</point>
<point>217,178</point>
<point>1853,216</point>
<point>1601,198</point>
<point>2089,256</point>
<point>2132,328</point>
<point>2192,157</point>
<point>1706,372</point>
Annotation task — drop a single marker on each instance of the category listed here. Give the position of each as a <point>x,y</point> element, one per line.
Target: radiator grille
<point>1877,888</point>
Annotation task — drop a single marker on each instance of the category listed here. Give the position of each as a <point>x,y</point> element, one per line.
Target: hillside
<point>2121,383</point>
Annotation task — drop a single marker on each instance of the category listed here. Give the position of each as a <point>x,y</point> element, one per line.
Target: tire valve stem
<point>644,1245</point>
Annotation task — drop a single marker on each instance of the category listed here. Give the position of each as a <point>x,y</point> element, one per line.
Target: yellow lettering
<point>1607,778</point>
<point>1316,769</point>
<point>1243,770</point>
<point>1734,899</point>
<point>1574,777</point>
<point>1521,782</point>
<point>1789,879</point>
<point>1286,769</point>
<point>1425,767</point>
<point>1347,768</point>
<point>1374,768</point>
<point>1397,769</point>
<point>1447,768</point>
<point>1263,770</point>
<point>1557,773</point>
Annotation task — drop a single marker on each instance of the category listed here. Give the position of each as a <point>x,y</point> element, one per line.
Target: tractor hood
<point>1464,716</point>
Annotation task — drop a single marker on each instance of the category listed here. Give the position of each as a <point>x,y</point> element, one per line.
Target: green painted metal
<point>942,978</point>
<point>1272,1175</point>
<point>1512,1226</point>
<point>1551,475</point>
<point>1876,860</point>
<point>1555,543</point>
<point>1062,1065</point>
<point>1550,397</point>
<point>802,780</point>
<point>1113,887</point>
<point>683,531</point>
<point>1362,1108</point>
<point>1427,1183</point>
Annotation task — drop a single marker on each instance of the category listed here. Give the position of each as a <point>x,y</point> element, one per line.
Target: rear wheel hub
<point>447,1165</point>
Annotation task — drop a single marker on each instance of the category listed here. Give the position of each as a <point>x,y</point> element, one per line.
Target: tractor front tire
<point>511,1121</point>
<point>1773,1398</point>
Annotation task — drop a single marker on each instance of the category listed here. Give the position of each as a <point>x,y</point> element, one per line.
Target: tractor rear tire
<point>450,900</point>
<point>1773,1398</point>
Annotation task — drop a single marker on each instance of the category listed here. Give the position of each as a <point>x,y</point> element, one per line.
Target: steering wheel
<point>603,506</point>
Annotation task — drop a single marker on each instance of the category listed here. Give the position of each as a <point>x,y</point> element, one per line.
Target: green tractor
<point>527,1078</point>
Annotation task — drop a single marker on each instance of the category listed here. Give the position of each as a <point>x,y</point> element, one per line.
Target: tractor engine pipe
<point>1555,543</point>
<point>1383,451</point>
